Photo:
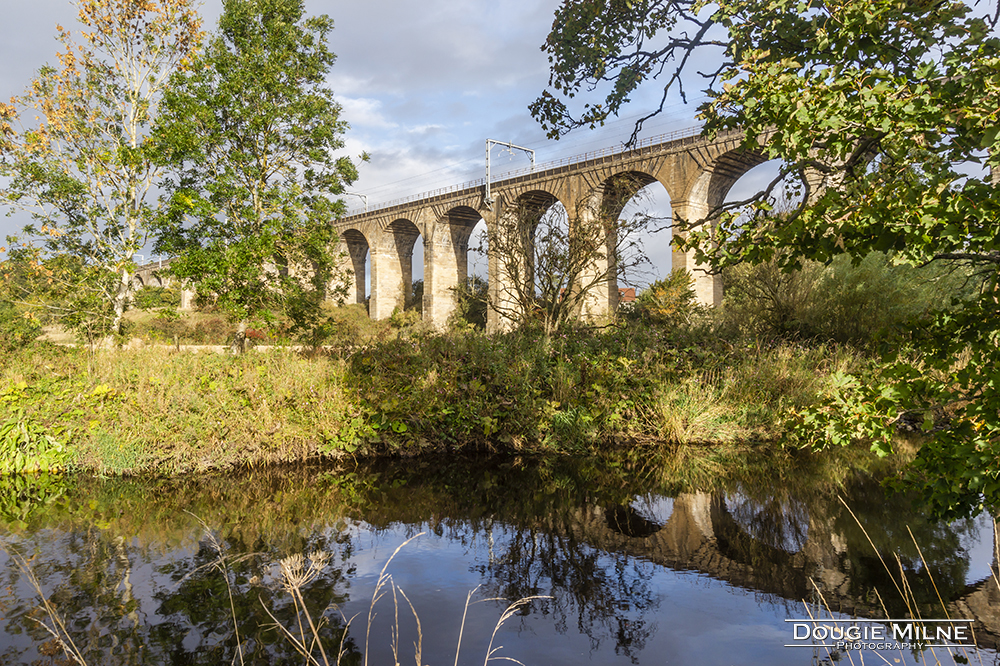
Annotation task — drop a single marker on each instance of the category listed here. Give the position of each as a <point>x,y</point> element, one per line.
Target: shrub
<point>148,298</point>
<point>669,301</point>
<point>16,329</point>
<point>470,304</point>
<point>838,302</point>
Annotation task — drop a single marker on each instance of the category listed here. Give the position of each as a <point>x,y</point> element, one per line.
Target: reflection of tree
<point>90,583</point>
<point>199,608</point>
<point>780,523</point>
<point>91,586</point>
<point>768,524</point>
<point>888,521</point>
<point>560,527</point>
<point>607,597</point>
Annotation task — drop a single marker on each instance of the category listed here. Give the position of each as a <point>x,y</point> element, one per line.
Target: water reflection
<point>634,572</point>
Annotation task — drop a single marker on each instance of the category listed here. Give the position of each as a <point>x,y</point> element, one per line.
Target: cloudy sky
<point>423,85</point>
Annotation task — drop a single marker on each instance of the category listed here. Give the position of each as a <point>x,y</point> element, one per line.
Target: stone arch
<point>138,282</point>
<point>392,267</point>
<point>700,202</point>
<point>447,263</point>
<point>356,247</point>
<point>714,182</point>
<point>619,188</point>
<point>530,205</point>
<point>622,196</point>
<point>511,253</point>
<point>767,566</point>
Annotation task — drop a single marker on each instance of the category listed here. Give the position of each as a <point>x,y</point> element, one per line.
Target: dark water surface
<point>626,565</point>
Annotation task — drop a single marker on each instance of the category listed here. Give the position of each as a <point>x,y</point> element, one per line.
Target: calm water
<point>624,568</point>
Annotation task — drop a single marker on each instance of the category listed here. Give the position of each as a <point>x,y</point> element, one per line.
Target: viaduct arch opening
<point>357,260</point>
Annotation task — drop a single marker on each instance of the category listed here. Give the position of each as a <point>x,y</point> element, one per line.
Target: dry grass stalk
<point>507,614</point>
<point>905,590</point>
<point>58,628</point>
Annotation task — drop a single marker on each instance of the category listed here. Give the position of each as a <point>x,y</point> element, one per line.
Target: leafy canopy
<point>250,134</point>
<point>884,116</point>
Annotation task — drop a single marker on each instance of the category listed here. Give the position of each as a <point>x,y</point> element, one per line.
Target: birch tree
<point>76,153</point>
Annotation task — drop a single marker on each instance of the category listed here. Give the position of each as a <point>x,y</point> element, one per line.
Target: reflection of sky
<point>694,619</point>
<point>980,546</point>
<point>687,617</point>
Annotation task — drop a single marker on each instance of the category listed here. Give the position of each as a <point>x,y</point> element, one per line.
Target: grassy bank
<point>153,410</point>
<point>666,374</point>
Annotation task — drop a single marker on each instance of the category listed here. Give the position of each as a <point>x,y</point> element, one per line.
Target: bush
<point>470,304</point>
<point>838,302</point>
<point>148,298</point>
<point>16,329</point>
<point>669,301</point>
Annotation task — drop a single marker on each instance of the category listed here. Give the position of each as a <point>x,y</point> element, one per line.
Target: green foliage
<point>57,289</point>
<point>884,116</point>
<point>885,154</point>
<point>24,497</point>
<point>203,330</point>
<point>249,132</point>
<point>417,296</point>
<point>669,301</point>
<point>579,390</point>
<point>25,446</point>
<point>840,302</point>
<point>401,390</point>
<point>471,305</point>
<point>148,298</point>
<point>595,44</point>
<point>18,328</point>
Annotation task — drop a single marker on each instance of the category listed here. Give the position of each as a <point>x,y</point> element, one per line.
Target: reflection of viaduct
<point>696,173</point>
<point>702,535</point>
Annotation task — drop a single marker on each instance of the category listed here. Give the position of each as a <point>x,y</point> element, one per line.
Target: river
<point>616,563</point>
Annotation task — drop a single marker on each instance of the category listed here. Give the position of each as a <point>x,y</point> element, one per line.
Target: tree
<point>81,166</point>
<point>471,304</point>
<point>884,115</point>
<point>417,296</point>
<point>250,132</point>
<point>555,266</point>
<point>670,301</point>
<point>619,43</point>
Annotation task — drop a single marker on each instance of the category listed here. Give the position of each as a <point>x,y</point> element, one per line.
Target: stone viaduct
<point>696,173</point>
<point>152,275</point>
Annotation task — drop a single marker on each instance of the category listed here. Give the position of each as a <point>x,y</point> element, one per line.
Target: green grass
<point>154,410</point>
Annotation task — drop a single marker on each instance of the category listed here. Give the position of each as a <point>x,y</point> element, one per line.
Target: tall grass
<point>154,410</point>
<point>839,302</point>
<point>903,590</point>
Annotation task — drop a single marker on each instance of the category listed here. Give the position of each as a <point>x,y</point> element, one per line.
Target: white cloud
<point>362,112</point>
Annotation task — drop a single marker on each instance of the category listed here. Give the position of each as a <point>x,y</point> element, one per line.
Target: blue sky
<point>423,85</point>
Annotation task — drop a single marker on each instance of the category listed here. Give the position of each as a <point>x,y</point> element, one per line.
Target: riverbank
<point>162,412</point>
